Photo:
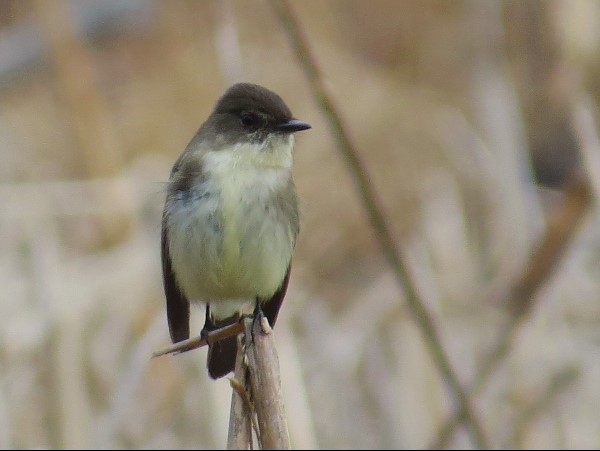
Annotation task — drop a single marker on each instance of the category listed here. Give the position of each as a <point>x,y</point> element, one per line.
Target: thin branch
<point>199,341</point>
<point>376,216</point>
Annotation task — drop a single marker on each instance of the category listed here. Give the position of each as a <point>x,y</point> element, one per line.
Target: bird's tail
<point>222,354</point>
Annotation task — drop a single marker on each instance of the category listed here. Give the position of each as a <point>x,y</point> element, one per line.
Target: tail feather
<point>222,354</point>
<point>221,357</point>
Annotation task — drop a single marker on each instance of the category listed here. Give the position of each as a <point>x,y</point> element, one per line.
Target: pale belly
<point>224,248</point>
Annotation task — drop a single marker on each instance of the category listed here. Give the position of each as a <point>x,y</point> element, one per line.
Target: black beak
<point>293,125</point>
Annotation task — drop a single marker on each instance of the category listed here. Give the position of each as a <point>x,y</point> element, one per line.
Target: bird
<point>231,218</point>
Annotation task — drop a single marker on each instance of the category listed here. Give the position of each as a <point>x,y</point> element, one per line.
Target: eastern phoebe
<point>231,218</point>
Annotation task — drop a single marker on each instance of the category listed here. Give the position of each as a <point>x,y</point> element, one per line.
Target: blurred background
<point>472,118</point>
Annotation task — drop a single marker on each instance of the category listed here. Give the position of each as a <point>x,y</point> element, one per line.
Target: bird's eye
<point>249,119</point>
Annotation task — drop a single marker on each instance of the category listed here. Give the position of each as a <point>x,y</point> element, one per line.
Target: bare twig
<point>560,229</point>
<point>198,342</point>
<point>265,383</point>
<point>242,411</point>
<point>375,213</point>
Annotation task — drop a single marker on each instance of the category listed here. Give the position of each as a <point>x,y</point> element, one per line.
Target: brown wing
<point>178,307</point>
<point>271,306</point>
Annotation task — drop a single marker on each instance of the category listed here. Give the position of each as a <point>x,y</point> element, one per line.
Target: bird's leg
<point>258,311</point>
<point>258,315</point>
<point>206,329</point>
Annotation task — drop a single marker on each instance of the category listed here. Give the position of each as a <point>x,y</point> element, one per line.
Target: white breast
<point>223,245</point>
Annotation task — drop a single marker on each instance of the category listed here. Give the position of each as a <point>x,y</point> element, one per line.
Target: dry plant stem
<point>560,229</point>
<point>521,297</point>
<point>198,342</point>
<point>241,413</point>
<point>376,216</point>
<point>265,383</point>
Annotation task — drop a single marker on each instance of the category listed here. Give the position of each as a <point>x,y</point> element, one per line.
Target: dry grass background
<point>458,109</point>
